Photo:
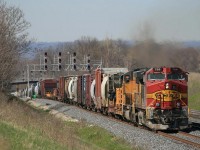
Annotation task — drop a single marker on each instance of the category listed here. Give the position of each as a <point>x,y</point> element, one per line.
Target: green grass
<point>18,139</point>
<point>24,127</point>
<point>194,101</point>
<point>102,138</point>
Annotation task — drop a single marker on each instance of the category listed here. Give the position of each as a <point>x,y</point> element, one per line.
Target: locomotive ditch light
<point>178,104</point>
<point>157,104</point>
<point>186,111</point>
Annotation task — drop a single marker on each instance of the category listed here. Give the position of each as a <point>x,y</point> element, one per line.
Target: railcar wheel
<point>105,111</point>
<point>116,116</point>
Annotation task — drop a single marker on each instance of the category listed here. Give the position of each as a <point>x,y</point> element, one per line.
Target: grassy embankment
<point>23,127</point>
<point>194,91</point>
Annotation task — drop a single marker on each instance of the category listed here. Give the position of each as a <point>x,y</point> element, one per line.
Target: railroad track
<point>113,118</point>
<point>168,135</point>
<point>195,125</point>
<point>194,113</point>
<point>190,137</point>
<point>190,142</point>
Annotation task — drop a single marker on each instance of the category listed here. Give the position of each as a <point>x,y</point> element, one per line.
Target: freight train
<point>153,97</point>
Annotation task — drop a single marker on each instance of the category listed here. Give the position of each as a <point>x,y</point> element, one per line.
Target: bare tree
<point>114,52</point>
<point>13,40</point>
<point>87,45</point>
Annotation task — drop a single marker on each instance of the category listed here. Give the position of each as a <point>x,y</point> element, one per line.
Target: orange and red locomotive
<point>166,98</point>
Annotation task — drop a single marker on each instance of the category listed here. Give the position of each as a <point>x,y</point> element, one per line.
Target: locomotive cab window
<point>127,78</point>
<point>156,76</point>
<point>176,76</point>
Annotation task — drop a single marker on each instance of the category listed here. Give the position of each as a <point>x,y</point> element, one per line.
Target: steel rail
<point>189,135</point>
<point>194,113</point>
<point>178,139</point>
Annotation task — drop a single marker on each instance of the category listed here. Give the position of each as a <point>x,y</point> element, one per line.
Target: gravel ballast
<point>136,136</point>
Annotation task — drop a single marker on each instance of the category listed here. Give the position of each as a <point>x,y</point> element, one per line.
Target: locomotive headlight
<point>166,85</point>
<point>178,104</point>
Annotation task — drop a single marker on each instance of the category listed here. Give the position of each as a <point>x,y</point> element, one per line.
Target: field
<point>23,127</point>
<point>194,91</point>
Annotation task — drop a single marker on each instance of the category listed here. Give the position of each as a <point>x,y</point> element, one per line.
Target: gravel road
<point>136,136</point>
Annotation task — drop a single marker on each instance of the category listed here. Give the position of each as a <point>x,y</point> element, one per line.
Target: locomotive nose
<point>173,95</point>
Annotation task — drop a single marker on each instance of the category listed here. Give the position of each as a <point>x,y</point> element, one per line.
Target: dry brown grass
<point>26,118</point>
<point>4,144</point>
<point>194,83</point>
<point>40,125</point>
<point>194,91</point>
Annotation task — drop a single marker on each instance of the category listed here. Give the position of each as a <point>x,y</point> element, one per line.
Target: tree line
<point>146,53</point>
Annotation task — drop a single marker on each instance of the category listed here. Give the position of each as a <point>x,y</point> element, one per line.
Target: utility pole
<point>27,80</point>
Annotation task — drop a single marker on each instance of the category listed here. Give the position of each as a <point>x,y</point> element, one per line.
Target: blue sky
<point>68,20</point>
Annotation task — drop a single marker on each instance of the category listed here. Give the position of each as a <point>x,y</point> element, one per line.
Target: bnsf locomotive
<point>153,97</point>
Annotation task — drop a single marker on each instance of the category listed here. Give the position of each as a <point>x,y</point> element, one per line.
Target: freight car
<point>47,87</point>
<point>152,97</point>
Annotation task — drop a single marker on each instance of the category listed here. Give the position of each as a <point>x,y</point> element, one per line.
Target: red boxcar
<point>62,93</point>
<point>98,80</point>
<point>86,83</point>
<point>79,90</point>
<point>47,87</point>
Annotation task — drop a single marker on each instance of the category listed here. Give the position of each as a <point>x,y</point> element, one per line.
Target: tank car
<point>101,92</point>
